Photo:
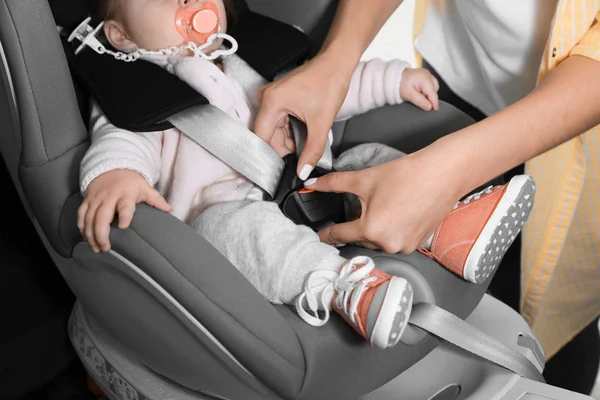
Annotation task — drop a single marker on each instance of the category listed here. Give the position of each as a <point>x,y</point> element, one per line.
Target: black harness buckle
<point>303,206</point>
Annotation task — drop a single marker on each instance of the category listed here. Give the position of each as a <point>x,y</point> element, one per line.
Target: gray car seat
<point>165,316</point>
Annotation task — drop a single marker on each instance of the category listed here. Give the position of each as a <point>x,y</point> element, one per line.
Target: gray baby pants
<point>272,252</point>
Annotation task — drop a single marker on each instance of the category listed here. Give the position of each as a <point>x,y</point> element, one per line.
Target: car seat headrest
<point>268,45</point>
<point>68,13</point>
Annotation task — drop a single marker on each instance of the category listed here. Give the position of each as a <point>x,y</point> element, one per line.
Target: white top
<point>487,51</point>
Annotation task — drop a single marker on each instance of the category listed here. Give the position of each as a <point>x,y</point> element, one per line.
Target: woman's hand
<point>403,202</point>
<point>313,93</point>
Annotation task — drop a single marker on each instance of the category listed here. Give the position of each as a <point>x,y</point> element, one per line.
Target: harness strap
<point>232,143</point>
<point>450,328</point>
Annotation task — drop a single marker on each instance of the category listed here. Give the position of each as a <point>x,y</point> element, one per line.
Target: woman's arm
<point>564,105</point>
<point>406,199</point>
<point>314,92</point>
<point>356,24</point>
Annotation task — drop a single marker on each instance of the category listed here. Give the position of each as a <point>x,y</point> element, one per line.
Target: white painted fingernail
<point>305,171</point>
<point>310,182</point>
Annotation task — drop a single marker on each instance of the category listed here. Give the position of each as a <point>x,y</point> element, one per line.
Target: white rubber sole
<point>499,233</point>
<point>394,314</point>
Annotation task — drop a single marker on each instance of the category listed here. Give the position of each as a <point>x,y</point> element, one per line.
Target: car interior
<point>163,315</point>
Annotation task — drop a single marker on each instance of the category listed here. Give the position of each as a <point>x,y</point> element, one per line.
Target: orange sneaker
<point>377,305</point>
<point>475,236</point>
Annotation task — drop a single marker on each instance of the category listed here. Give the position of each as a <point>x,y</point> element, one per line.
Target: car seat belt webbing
<point>452,329</point>
<point>232,143</point>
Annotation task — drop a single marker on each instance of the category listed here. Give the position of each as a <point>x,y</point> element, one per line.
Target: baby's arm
<point>117,172</point>
<point>376,83</point>
<point>113,148</point>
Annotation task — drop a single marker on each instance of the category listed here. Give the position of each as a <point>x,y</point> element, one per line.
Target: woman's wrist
<point>451,158</point>
<point>479,153</point>
<point>338,60</point>
<point>562,107</point>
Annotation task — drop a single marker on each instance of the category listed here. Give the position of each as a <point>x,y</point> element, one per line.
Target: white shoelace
<point>474,196</point>
<point>349,283</point>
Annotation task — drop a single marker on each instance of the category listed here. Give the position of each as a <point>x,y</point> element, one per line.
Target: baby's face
<point>150,24</point>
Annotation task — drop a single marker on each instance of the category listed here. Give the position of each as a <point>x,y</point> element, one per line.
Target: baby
<point>285,262</point>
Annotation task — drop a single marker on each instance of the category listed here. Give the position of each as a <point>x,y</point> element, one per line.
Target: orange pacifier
<point>196,22</point>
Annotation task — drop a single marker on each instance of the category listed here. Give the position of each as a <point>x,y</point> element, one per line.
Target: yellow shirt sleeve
<point>589,45</point>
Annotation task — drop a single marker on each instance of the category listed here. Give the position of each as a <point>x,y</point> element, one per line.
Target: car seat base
<point>458,375</point>
<point>462,376</point>
<point>118,373</point>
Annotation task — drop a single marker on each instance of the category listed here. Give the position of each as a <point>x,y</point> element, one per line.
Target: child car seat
<point>166,316</point>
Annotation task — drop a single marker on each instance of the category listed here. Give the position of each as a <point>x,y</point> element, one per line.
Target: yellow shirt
<point>561,241</point>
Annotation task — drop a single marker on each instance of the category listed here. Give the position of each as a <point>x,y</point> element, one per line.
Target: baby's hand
<point>420,88</point>
<point>117,191</point>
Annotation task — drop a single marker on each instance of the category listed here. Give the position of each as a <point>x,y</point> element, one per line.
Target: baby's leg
<point>272,252</point>
<point>288,264</point>
<point>363,156</point>
<point>472,240</point>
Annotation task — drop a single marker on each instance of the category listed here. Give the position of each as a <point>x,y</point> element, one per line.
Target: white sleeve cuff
<point>89,176</point>
<point>393,80</point>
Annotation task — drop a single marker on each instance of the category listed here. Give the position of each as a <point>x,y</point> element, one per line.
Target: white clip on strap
<point>87,36</point>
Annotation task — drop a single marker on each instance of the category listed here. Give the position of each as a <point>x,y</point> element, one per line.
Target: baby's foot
<point>474,237</point>
<point>377,305</point>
